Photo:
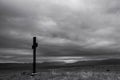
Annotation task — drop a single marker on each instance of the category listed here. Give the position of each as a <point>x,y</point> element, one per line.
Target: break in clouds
<point>63,27</point>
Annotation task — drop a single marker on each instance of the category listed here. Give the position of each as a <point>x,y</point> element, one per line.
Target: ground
<point>103,72</point>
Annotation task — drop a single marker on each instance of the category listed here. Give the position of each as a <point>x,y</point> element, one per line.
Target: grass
<point>81,73</point>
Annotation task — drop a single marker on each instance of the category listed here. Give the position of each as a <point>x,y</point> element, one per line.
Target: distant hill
<point>44,65</point>
<point>97,62</point>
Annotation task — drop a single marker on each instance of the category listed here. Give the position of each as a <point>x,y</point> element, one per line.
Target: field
<point>100,72</point>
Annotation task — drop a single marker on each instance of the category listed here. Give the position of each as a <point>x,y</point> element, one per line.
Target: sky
<point>82,28</point>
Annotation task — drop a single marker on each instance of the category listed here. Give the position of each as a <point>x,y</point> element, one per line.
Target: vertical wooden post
<point>34,46</point>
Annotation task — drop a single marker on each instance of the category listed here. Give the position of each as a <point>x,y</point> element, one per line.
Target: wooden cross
<point>34,46</point>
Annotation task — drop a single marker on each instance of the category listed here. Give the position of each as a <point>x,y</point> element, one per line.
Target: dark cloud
<point>63,28</point>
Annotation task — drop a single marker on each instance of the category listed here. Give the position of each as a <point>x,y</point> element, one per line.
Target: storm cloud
<point>62,27</point>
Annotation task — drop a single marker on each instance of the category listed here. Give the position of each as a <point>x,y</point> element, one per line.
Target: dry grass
<point>61,74</point>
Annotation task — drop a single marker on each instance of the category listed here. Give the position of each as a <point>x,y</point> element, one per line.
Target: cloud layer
<point>63,27</point>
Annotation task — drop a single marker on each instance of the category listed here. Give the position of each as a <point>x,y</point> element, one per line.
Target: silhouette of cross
<point>34,46</point>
